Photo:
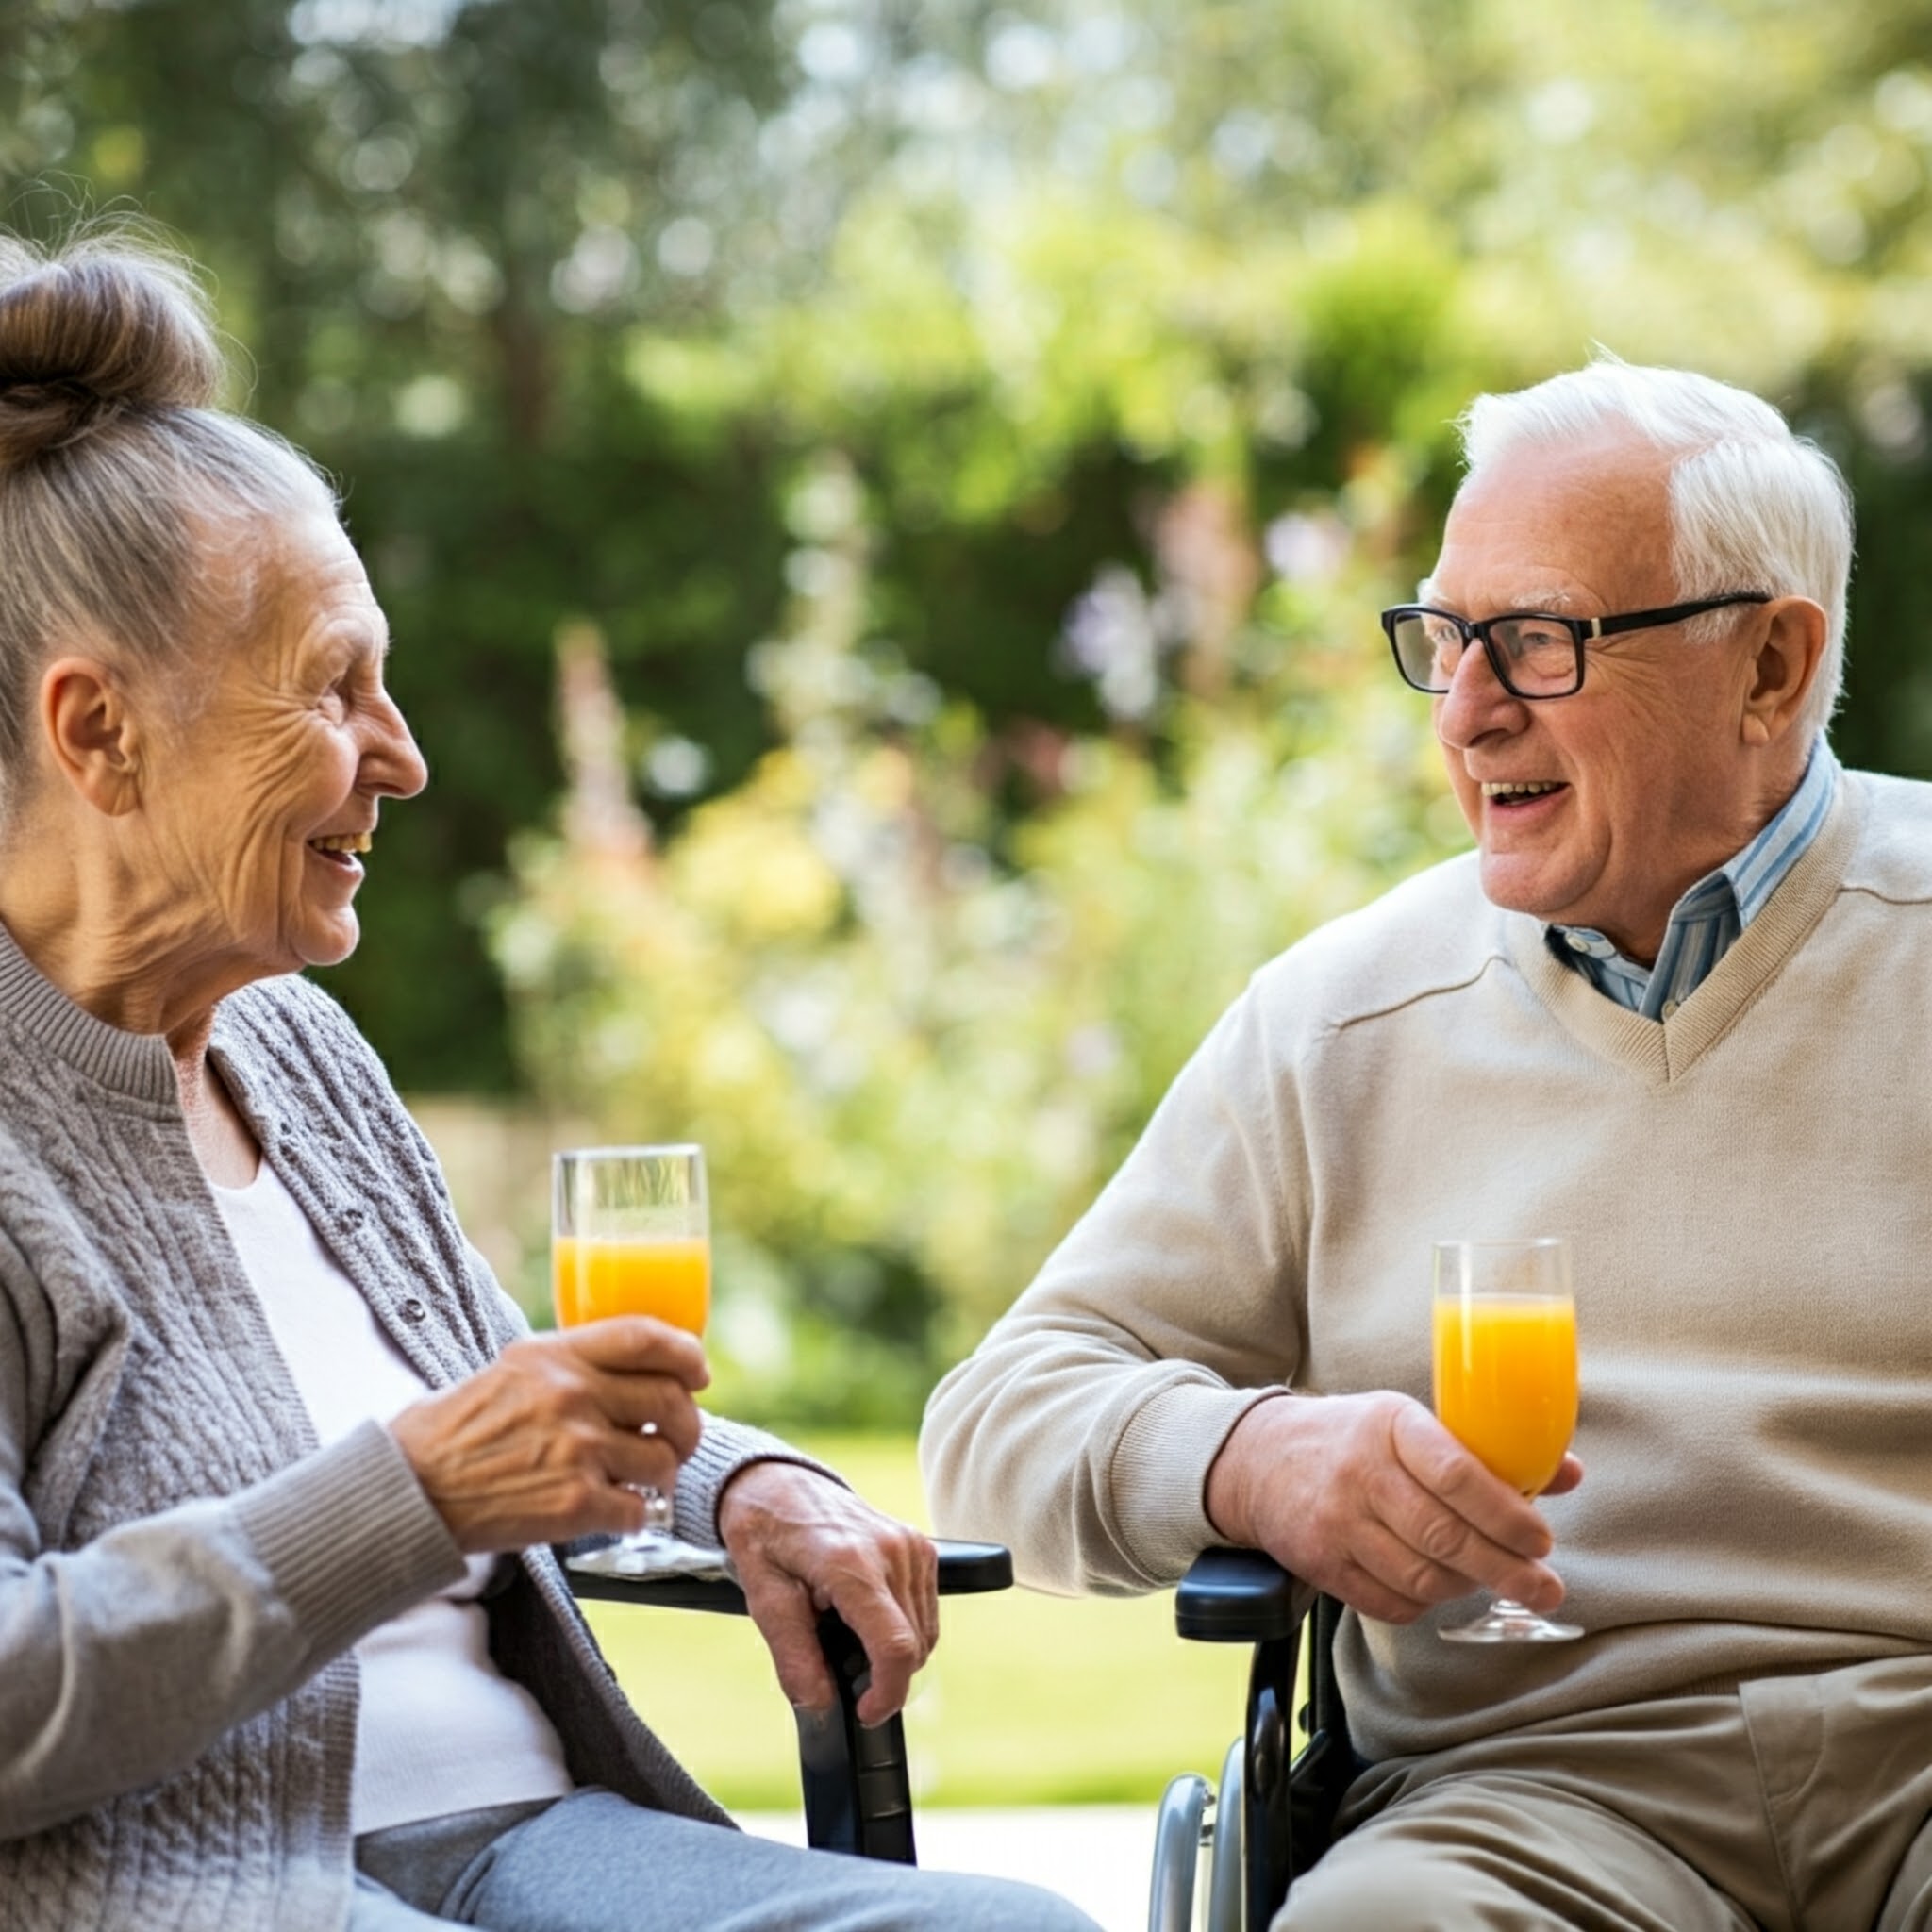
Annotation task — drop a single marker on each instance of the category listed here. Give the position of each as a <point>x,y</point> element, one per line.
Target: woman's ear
<point>90,734</point>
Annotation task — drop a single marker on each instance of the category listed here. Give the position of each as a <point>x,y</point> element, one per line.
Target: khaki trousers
<point>1799,1803</point>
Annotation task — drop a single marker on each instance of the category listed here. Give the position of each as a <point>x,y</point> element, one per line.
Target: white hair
<point>133,514</point>
<point>1753,505</point>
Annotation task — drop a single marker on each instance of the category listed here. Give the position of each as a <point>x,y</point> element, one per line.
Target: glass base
<point>1509,1622</point>
<point>651,1553</point>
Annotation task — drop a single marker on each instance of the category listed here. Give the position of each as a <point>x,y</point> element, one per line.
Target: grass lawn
<point>1029,1700</point>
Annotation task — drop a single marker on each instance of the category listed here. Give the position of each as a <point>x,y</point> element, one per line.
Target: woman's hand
<point>802,1544</point>
<point>544,1444</point>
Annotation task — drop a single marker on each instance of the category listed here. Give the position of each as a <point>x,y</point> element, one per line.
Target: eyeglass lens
<point>1538,655</point>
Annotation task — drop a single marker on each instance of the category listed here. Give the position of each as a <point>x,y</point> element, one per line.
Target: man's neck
<point>1641,941</point>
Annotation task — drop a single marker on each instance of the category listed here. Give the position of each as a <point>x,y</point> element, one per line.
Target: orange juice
<point>1505,1381</point>
<point>593,1279</point>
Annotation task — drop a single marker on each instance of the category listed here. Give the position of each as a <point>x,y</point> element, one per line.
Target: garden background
<point>882,506</point>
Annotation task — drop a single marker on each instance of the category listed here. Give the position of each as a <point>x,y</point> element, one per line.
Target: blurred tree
<point>971,439</point>
<point>427,222</point>
<point>912,1060</point>
<point>919,979</point>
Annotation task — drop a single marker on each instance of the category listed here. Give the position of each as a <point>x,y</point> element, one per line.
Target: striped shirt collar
<point>1710,917</point>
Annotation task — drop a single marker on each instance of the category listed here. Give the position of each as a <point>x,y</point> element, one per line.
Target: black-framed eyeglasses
<point>1535,654</point>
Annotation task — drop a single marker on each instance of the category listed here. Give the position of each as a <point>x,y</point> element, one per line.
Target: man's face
<point>1649,783</point>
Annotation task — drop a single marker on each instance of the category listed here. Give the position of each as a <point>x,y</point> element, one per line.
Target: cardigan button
<point>350,1220</point>
<point>414,1310</point>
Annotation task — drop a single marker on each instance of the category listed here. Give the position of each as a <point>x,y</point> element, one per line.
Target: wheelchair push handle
<point>856,1785</point>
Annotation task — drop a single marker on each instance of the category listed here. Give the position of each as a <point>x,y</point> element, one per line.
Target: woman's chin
<point>326,941</point>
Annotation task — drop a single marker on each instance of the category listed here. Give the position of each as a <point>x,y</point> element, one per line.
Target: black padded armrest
<point>858,1794</point>
<point>965,1570</point>
<point>1235,1596</point>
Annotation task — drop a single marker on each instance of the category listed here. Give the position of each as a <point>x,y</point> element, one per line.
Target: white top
<point>439,1728</point>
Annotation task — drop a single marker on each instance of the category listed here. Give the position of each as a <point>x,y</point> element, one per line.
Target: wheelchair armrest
<point>858,1795</point>
<point>965,1570</point>
<point>1236,1596</point>
<point>1287,1801</point>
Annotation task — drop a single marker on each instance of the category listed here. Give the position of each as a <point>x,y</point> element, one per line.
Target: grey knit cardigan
<point>183,1572</point>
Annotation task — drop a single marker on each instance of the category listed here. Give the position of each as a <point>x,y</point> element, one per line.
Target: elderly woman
<point>282,1642</point>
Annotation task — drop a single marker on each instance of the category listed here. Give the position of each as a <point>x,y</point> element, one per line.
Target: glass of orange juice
<point>1506,1383</point>
<point>631,1235</point>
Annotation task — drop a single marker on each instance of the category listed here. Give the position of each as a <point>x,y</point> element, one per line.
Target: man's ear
<point>90,734</point>
<point>1784,664</point>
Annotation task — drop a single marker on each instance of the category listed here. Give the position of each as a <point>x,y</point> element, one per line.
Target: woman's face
<point>262,798</point>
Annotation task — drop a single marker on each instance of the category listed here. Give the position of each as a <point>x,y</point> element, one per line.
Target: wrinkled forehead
<point>1572,526</point>
<point>314,575</point>
<point>282,592</point>
<point>1552,595</point>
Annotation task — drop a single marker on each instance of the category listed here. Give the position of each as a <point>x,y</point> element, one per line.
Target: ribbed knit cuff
<point>350,1539</point>
<point>1157,1484</point>
<point>724,1449</point>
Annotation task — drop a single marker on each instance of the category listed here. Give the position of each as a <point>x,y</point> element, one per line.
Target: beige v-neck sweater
<point>1748,1190</point>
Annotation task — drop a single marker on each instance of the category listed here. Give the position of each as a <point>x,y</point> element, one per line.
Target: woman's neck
<point>84,931</point>
<point>224,1144</point>
<point>118,948</point>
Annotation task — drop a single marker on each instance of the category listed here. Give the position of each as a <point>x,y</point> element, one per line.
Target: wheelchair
<point>1272,1818</point>
<point>858,1791</point>
<point>1274,1814</point>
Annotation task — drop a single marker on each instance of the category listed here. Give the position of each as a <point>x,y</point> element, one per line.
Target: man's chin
<point>1517,888</point>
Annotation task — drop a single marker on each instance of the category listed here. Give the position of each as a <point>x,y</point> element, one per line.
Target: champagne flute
<point>1506,1383</point>
<point>631,1235</point>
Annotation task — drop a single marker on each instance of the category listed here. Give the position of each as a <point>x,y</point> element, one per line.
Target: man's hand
<point>542,1445</point>
<point>1370,1499</point>
<point>803,1543</point>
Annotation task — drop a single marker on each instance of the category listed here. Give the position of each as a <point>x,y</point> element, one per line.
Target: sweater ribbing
<point>182,1571</point>
<point>1744,1187</point>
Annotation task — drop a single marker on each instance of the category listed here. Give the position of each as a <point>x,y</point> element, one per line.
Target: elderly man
<point>1670,1009</point>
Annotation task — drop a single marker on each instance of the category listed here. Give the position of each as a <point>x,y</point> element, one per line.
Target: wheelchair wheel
<point>1193,1819</point>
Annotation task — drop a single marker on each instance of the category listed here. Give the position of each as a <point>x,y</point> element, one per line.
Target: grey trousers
<point>594,1862</point>
<point>1798,1803</point>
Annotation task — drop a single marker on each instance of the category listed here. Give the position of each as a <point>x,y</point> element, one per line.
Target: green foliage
<point>914,1032</point>
<point>898,399</point>
<point>429,225</point>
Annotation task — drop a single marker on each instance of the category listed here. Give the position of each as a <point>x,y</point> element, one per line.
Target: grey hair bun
<point>116,326</point>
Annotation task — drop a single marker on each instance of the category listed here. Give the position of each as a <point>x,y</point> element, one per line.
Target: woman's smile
<point>341,851</point>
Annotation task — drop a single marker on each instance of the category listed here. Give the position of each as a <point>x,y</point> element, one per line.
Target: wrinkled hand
<point>803,1543</point>
<point>1370,1499</point>
<point>542,1445</point>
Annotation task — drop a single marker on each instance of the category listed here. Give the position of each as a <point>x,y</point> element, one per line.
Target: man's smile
<point>1505,794</point>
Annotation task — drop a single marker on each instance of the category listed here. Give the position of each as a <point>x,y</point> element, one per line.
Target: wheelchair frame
<point>1273,1815</point>
<point>857,1793</point>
